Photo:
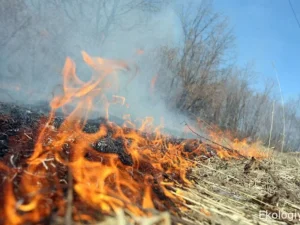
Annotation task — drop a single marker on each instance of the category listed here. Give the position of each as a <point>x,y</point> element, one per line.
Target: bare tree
<point>198,62</point>
<point>202,82</point>
<point>106,16</point>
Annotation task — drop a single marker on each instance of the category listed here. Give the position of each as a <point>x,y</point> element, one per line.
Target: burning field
<point>59,166</point>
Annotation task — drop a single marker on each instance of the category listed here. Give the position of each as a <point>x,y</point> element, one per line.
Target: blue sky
<point>266,31</point>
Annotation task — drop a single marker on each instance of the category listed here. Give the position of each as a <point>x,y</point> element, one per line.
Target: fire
<point>153,83</point>
<point>114,167</point>
<point>227,146</point>
<point>250,149</point>
<point>105,181</point>
<point>140,51</point>
<point>242,147</point>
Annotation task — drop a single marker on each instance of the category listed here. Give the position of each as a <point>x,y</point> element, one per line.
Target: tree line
<point>204,82</point>
<point>197,77</point>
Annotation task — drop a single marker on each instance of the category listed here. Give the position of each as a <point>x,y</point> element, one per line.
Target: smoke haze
<point>44,33</point>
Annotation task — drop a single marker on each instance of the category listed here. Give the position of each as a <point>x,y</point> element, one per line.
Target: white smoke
<point>31,71</point>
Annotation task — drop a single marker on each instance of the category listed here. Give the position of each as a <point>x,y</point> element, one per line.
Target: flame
<point>254,149</point>
<point>205,212</point>
<point>140,51</point>
<point>241,147</point>
<point>101,179</point>
<point>153,83</point>
<point>132,167</point>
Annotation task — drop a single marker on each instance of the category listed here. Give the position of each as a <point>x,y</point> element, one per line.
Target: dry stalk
<point>69,203</point>
<point>279,183</point>
<point>271,128</point>
<point>283,110</point>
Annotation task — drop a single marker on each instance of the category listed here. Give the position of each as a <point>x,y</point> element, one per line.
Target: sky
<point>266,31</point>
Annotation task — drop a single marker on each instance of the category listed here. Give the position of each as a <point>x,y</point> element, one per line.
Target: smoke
<point>31,62</point>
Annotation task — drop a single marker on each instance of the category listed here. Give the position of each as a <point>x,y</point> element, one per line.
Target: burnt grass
<point>275,184</point>
<point>19,129</point>
<point>20,126</point>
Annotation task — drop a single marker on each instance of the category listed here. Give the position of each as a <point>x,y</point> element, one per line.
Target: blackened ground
<point>20,124</point>
<point>19,127</point>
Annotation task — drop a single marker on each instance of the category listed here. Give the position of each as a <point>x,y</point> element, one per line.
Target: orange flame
<point>140,51</point>
<point>153,83</point>
<point>101,181</point>
<point>241,147</point>
<point>137,173</point>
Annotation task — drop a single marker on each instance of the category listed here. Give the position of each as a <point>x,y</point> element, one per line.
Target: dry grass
<point>223,194</point>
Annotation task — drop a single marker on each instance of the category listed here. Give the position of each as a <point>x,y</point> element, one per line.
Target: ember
<point>102,165</point>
